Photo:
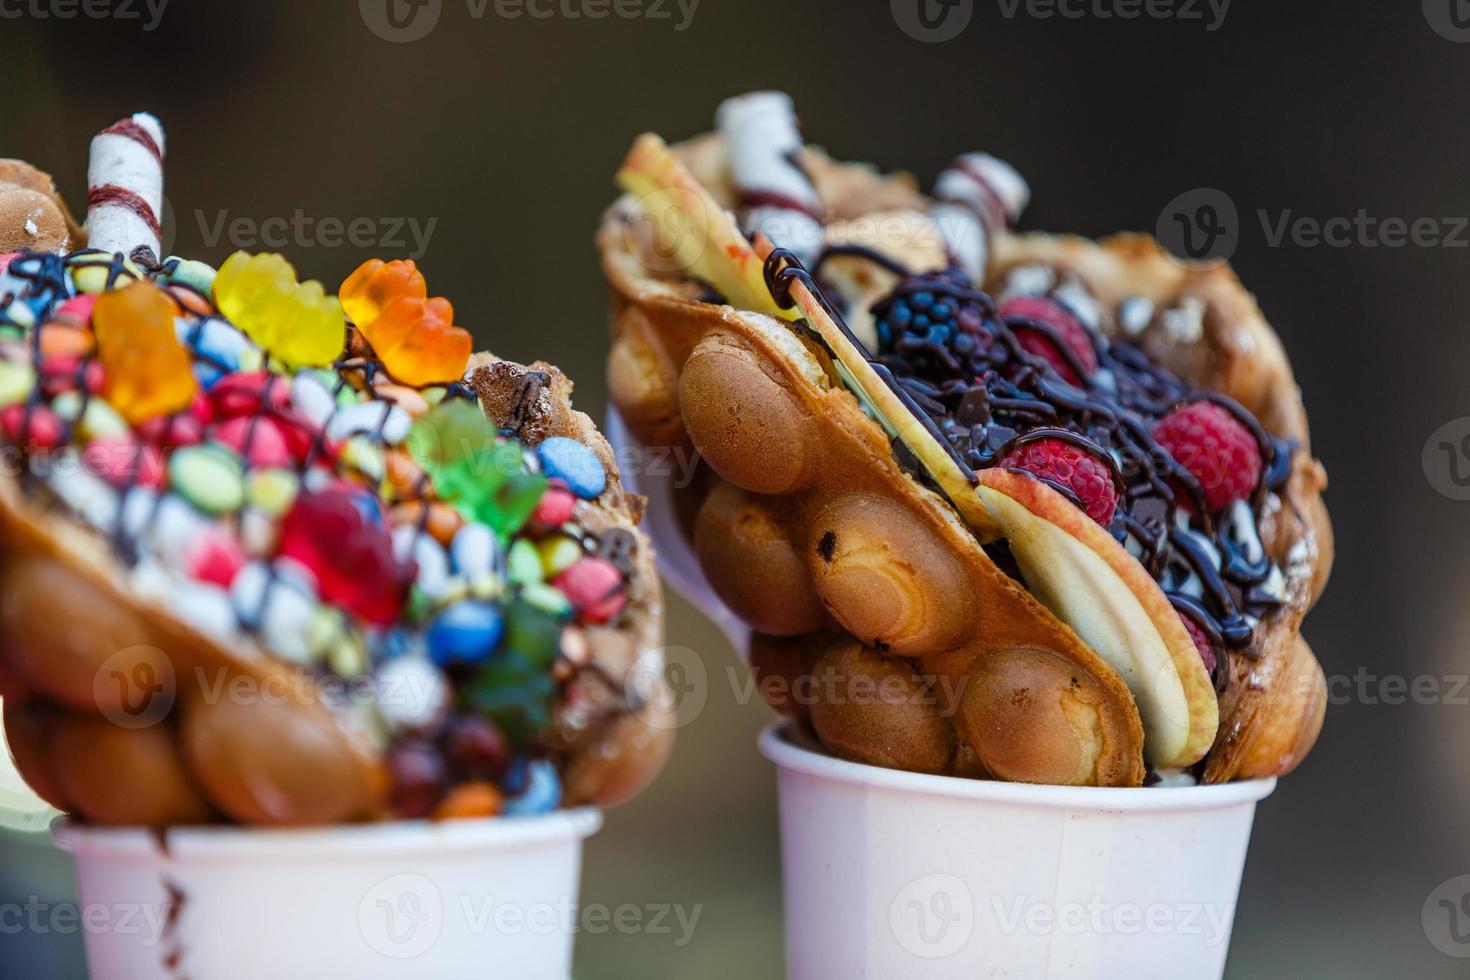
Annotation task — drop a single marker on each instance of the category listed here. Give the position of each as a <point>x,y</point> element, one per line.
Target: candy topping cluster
<point>310,476</point>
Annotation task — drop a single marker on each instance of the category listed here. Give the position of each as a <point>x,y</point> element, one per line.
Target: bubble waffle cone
<point>944,608</point>
<point>272,558</point>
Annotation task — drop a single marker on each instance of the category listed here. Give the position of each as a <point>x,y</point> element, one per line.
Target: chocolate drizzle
<point>982,395</point>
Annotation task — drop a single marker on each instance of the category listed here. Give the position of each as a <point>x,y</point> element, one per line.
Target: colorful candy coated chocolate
<point>572,462</point>
<point>541,792</point>
<point>465,633</point>
<point>595,588</point>
<point>148,372</point>
<point>296,322</point>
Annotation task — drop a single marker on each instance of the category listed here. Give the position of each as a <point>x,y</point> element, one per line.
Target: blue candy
<point>215,341</point>
<point>465,633</point>
<point>541,792</point>
<point>569,460</point>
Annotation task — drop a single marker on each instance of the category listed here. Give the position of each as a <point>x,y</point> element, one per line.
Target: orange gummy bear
<point>375,284</point>
<point>148,372</point>
<point>418,342</point>
<point>413,335</point>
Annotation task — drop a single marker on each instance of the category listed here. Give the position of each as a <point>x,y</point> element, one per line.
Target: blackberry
<point>933,325</point>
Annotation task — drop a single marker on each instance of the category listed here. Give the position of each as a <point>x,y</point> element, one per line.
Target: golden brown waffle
<point>858,578</point>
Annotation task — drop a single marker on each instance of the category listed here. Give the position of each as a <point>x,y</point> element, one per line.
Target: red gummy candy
<point>350,553</point>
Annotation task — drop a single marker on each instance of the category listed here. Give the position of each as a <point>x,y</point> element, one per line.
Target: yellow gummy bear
<point>148,372</point>
<point>296,322</point>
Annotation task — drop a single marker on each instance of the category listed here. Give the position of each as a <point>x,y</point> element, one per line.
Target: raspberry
<point>1050,313</point>
<point>1201,642</point>
<point>1216,448</point>
<point>1072,467</point>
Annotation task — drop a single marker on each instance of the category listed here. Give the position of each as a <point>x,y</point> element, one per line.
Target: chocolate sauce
<point>982,395</point>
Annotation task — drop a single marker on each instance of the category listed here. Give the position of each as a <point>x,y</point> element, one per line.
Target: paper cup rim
<point>780,744</point>
<point>356,842</point>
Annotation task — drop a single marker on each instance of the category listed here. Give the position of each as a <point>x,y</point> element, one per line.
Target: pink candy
<point>123,462</point>
<point>216,559</point>
<point>173,431</point>
<point>77,310</point>
<point>556,506</point>
<point>39,427</point>
<point>594,587</point>
<point>63,372</point>
<point>260,440</point>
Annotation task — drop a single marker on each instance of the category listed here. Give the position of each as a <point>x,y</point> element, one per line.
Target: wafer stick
<point>978,197</point>
<point>777,198</point>
<point>125,187</point>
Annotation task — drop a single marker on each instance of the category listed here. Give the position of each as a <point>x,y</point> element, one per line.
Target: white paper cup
<point>411,900</point>
<point>894,875</point>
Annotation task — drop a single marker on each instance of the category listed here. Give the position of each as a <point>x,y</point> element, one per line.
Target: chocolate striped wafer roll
<point>777,198</point>
<point>125,187</point>
<point>978,196</point>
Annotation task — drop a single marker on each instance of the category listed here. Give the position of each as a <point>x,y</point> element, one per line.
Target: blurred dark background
<point>504,133</point>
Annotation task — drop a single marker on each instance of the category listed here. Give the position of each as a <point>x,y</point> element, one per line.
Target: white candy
<point>175,528</point>
<point>368,418</point>
<point>412,694</point>
<point>1134,314</point>
<point>433,563</point>
<point>88,495</point>
<point>258,533</point>
<point>285,608</point>
<point>205,607</point>
<point>311,397</point>
<point>473,550</point>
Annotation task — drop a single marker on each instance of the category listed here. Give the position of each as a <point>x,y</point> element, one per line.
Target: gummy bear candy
<point>338,534</point>
<point>479,475</point>
<point>413,335</point>
<point>296,322</point>
<point>376,283</point>
<point>148,372</point>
